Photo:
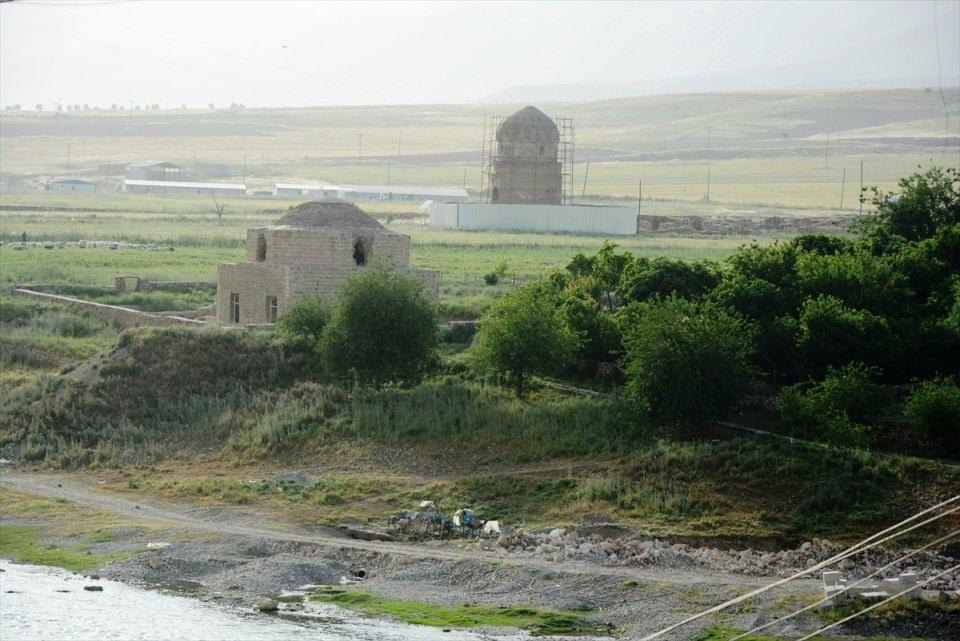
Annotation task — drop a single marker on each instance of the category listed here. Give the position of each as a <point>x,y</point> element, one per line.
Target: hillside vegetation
<point>849,344</point>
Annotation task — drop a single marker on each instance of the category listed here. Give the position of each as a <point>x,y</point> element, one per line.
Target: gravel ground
<point>636,586</point>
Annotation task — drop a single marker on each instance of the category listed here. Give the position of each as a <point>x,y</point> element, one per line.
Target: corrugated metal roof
<point>71,181</point>
<point>411,190</point>
<point>183,183</point>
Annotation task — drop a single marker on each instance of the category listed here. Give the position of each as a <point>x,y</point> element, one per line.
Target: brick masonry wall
<point>307,262</point>
<point>330,247</point>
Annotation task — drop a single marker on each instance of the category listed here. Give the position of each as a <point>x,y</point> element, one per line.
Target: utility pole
<point>826,152</point>
<point>464,178</point>
<point>640,195</point>
<point>861,188</point>
<point>708,184</point>
<point>244,167</point>
<point>708,142</point>
<point>360,146</point>
<point>399,141</point>
<point>843,185</point>
<point>388,173</point>
<point>586,172</point>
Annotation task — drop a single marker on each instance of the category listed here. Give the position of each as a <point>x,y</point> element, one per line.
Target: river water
<point>40,603</point>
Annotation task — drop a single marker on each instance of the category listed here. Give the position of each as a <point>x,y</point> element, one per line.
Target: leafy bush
<point>383,328</point>
<point>688,361</point>
<point>663,277</point>
<point>934,408</point>
<point>838,409</point>
<point>832,334</point>
<point>302,325</point>
<point>493,277</point>
<point>521,335</point>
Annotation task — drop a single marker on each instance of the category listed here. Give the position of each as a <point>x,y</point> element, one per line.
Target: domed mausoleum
<point>526,169</point>
<point>311,250</point>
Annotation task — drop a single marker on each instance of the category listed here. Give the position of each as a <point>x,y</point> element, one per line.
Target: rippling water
<point>48,603</point>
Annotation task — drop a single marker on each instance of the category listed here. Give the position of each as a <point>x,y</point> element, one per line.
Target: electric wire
<point>878,604</point>
<point>848,587</point>
<point>870,542</point>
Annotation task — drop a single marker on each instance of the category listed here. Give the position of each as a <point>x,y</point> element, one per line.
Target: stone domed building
<point>526,169</point>
<point>311,250</point>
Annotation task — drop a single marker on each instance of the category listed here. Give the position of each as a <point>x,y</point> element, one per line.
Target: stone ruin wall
<point>741,225</point>
<point>299,246</point>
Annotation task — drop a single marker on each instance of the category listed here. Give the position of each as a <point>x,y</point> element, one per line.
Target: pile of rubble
<point>560,544</point>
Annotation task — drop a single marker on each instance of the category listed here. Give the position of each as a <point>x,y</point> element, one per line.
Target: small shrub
<point>934,408</point>
<point>841,409</point>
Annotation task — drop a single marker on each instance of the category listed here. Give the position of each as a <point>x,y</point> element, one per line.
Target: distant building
<point>112,169</point>
<point>372,192</point>
<point>212,169</point>
<point>73,185</point>
<point>310,251</point>
<point>564,219</point>
<point>183,187</point>
<point>526,168</point>
<point>298,190</point>
<point>154,170</point>
<point>404,192</point>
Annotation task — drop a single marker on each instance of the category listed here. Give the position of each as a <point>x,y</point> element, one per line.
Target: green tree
<point>521,335</point>
<point>926,202</point>
<point>841,409</point>
<point>832,334</point>
<point>665,276</point>
<point>383,328</point>
<point>596,329</point>
<point>302,325</point>
<point>934,407</point>
<point>686,361</point>
<point>860,280</point>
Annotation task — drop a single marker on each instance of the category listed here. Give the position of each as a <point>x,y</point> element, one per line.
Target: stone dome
<point>528,125</point>
<point>330,213</point>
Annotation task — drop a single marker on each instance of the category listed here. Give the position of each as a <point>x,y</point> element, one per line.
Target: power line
<point>865,544</point>
<point>877,605</point>
<point>853,585</point>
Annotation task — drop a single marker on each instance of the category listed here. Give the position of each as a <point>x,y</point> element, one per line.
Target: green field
<point>784,149</point>
<point>201,242</point>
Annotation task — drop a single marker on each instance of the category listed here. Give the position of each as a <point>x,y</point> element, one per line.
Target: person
<point>23,237</point>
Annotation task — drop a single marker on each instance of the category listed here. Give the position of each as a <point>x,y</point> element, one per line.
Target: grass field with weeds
<point>534,620</point>
<point>55,532</point>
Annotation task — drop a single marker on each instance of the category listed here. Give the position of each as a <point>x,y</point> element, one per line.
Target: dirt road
<point>245,522</point>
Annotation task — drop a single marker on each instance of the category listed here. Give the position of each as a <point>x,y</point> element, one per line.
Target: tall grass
<point>450,411</point>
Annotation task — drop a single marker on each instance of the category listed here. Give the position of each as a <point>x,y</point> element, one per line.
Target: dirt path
<point>247,523</point>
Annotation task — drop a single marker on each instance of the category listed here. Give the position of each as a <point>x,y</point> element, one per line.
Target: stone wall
<point>254,282</point>
<point>526,182</point>
<point>332,247</point>
<point>741,225</point>
<point>122,316</point>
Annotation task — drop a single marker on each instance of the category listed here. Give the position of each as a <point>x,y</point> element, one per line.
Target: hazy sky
<point>299,53</point>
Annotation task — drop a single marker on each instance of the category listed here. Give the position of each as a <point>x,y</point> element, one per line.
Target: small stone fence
<point>122,316</point>
<point>714,225</point>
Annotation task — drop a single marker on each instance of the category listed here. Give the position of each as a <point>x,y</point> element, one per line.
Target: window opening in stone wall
<point>359,255</point>
<point>271,309</point>
<point>261,248</point>
<point>234,308</point>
